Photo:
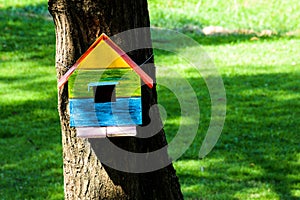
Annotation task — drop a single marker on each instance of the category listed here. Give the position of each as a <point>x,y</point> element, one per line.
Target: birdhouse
<point>104,91</point>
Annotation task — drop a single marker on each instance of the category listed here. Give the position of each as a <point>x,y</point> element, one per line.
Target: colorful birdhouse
<point>104,91</point>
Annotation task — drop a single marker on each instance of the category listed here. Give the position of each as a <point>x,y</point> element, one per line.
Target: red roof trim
<point>145,77</point>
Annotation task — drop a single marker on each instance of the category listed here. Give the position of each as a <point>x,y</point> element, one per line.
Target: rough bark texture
<point>78,23</point>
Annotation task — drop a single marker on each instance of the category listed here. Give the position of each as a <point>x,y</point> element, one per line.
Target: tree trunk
<point>78,23</point>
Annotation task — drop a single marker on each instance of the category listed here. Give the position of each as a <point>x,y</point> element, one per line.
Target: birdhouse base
<point>102,132</point>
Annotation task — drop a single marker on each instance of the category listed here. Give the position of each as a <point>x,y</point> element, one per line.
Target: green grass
<point>279,16</point>
<point>258,154</point>
<point>30,144</point>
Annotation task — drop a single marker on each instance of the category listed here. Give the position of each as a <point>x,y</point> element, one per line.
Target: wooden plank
<point>121,131</point>
<point>102,132</point>
<point>91,132</point>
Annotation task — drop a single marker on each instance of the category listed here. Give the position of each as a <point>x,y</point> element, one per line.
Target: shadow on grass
<point>259,147</point>
<point>265,126</point>
<point>230,38</point>
<point>27,33</point>
<point>31,163</point>
<point>30,139</point>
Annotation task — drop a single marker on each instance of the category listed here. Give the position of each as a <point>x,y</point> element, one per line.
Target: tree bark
<point>78,23</point>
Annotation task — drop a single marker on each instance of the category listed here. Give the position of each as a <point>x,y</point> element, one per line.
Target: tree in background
<point>78,23</point>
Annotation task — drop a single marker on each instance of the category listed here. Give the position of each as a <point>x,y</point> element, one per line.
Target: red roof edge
<point>145,77</point>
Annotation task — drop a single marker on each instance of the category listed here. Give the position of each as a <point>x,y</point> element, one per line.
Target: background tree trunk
<point>78,23</point>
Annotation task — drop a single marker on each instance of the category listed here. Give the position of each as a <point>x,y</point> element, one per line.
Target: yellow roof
<point>102,57</point>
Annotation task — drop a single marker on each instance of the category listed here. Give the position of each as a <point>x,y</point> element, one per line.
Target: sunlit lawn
<point>258,154</point>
